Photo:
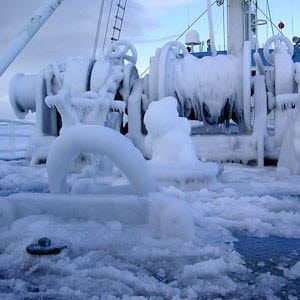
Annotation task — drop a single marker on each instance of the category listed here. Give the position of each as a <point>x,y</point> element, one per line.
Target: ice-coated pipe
<point>97,139</point>
<point>260,123</point>
<point>34,24</point>
<point>247,84</point>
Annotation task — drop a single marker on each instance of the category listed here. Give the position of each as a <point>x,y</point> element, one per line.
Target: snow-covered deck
<point>250,208</point>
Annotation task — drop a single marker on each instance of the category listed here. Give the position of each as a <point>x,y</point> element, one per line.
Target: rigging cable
<point>219,19</point>
<point>267,25</point>
<point>98,29</point>
<point>269,12</point>
<point>185,31</point>
<point>224,38</point>
<point>188,13</point>
<point>193,23</point>
<point>292,17</point>
<point>107,24</point>
<point>255,3</point>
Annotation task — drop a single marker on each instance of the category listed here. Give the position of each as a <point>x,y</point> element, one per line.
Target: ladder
<point>119,18</point>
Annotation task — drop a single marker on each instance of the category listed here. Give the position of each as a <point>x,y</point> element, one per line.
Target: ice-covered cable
<point>185,31</point>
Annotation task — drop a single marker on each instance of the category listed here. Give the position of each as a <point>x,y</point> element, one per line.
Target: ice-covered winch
<point>236,101</point>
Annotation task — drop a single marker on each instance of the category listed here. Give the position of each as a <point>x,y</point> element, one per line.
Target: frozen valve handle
<point>120,50</point>
<point>277,39</point>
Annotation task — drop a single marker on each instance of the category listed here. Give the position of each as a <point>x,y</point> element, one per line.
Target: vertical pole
<point>211,30</point>
<point>260,121</point>
<point>235,27</point>
<point>12,137</point>
<point>247,84</point>
<point>224,39</point>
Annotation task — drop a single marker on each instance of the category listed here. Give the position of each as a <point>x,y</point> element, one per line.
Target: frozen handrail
<point>8,130</point>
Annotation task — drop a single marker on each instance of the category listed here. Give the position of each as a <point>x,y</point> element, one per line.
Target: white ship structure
<point>256,90</point>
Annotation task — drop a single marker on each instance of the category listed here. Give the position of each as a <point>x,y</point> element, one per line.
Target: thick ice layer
<point>111,261</point>
<point>290,149</point>
<point>38,148</point>
<point>102,141</point>
<point>112,258</point>
<point>209,80</point>
<point>124,209</point>
<point>170,217</point>
<point>168,138</point>
<point>293,272</point>
<point>169,144</point>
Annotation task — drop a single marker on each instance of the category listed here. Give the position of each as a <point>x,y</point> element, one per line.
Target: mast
<point>238,12</point>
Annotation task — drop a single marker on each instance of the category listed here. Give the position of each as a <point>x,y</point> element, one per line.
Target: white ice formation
<point>170,148</point>
<point>168,138</point>
<point>100,140</point>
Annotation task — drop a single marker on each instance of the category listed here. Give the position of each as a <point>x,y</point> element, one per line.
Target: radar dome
<point>192,38</point>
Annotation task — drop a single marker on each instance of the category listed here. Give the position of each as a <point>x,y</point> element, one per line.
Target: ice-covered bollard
<point>7,212</point>
<point>168,138</point>
<point>170,147</point>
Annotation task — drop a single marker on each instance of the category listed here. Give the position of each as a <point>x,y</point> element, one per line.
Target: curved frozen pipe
<point>97,139</point>
<point>34,24</point>
<point>211,29</point>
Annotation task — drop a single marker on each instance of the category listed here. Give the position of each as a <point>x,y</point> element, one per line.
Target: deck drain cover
<point>44,246</point>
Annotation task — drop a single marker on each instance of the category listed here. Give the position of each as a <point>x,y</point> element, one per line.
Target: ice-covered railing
<point>14,136</point>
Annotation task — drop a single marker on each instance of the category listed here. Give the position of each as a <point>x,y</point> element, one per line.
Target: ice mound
<point>112,258</point>
<point>170,147</point>
<point>293,272</point>
<point>168,138</point>
<point>290,150</point>
<point>7,213</point>
<point>170,217</point>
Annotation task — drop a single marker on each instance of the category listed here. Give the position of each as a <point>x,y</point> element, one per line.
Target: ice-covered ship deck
<point>247,243</point>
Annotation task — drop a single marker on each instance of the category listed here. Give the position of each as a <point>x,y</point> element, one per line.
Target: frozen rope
<point>185,31</point>
<point>269,12</point>
<point>255,3</point>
